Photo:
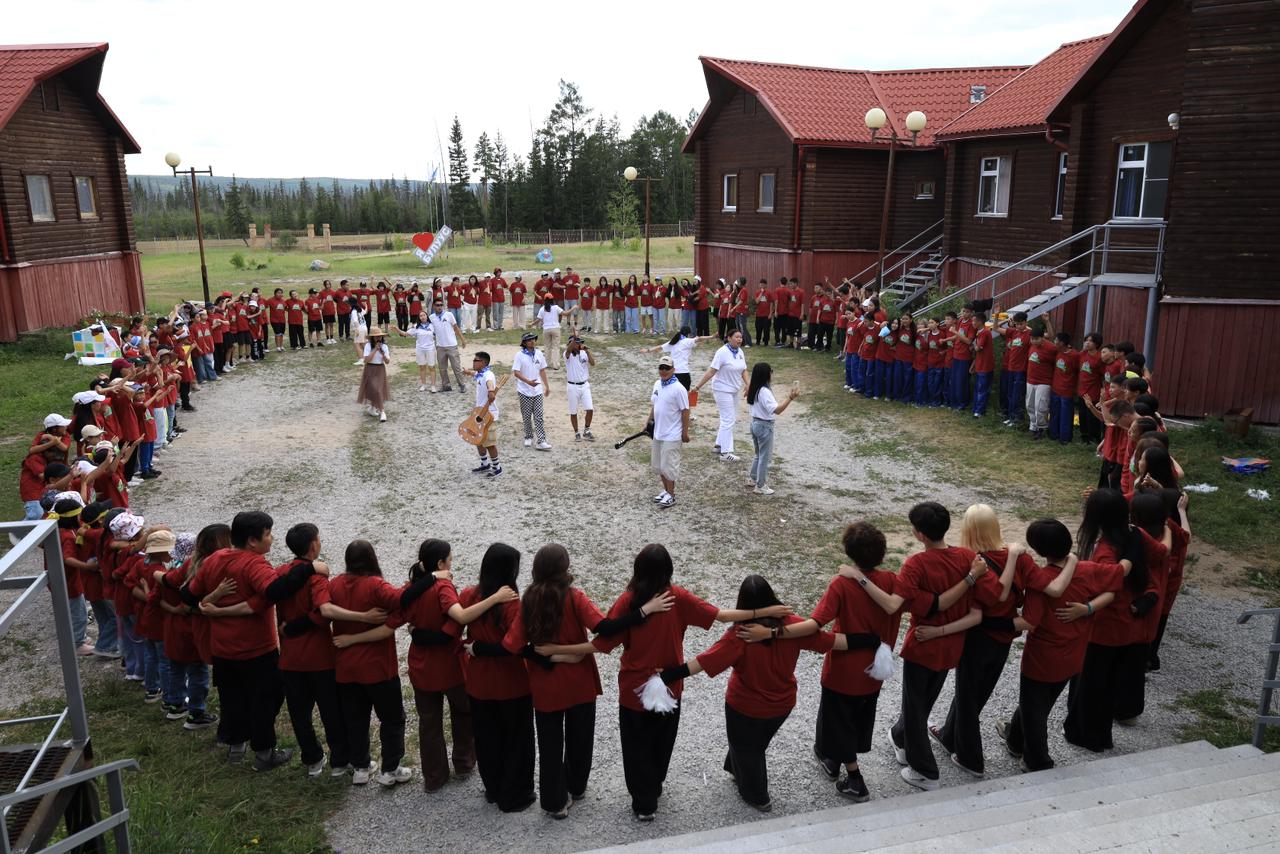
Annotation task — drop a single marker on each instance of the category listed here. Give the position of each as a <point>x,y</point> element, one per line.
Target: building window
<point>86,197</point>
<point>730,194</point>
<point>39,198</point>
<point>993,186</point>
<point>1142,180</point>
<point>49,95</point>
<point>925,189</point>
<point>768,180</point>
<point>1061,193</point>
<point>977,94</point>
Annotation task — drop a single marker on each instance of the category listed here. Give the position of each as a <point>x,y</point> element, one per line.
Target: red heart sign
<point>423,241</point>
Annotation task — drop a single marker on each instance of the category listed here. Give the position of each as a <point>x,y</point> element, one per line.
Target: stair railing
<point>1270,683</point>
<point>856,278</point>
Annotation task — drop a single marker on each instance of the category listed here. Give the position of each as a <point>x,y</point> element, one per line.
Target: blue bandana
<point>668,381</point>
<point>733,350</point>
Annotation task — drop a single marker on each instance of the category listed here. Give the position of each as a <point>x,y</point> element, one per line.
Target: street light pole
<point>631,174</point>
<point>173,160</point>
<point>875,120</point>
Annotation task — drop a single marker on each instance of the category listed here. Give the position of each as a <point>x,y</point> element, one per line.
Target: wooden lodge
<point>1159,142</point>
<point>67,245</point>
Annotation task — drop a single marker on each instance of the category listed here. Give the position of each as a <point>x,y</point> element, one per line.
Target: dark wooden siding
<point>1029,226</point>
<point>63,144</point>
<point>1209,360</point>
<point>744,139</point>
<point>1224,212</point>
<point>843,197</point>
<point>61,293</point>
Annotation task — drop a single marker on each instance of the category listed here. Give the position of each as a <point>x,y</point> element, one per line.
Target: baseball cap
<point>87,397</point>
<point>160,541</point>
<point>665,362</point>
<point>53,419</point>
<point>90,431</point>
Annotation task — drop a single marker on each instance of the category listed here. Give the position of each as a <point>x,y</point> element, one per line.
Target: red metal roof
<point>22,67</point>
<point>826,106</point>
<point>1022,105</point>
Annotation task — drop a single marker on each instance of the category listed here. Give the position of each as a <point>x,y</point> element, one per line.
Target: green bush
<point>237,261</point>
<point>286,241</point>
<point>634,245</point>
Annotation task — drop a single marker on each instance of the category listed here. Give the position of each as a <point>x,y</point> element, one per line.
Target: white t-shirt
<point>668,402</point>
<point>680,354</point>
<point>550,317</point>
<point>424,337</point>
<point>529,365</point>
<point>357,318</point>
<point>729,370</point>
<point>576,368</point>
<point>486,383</point>
<point>765,405</point>
<point>443,325</point>
<point>380,354</point>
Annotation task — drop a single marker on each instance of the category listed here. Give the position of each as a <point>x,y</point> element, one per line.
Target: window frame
<point>920,194</point>
<point>1060,186</point>
<point>773,193</point>
<point>725,207</point>
<point>93,215</point>
<point>48,186</point>
<point>1146,179</point>
<point>50,97</point>
<point>1003,175</point>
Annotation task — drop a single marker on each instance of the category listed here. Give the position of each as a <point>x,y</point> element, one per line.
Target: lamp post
<point>875,120</point>
<point>631,174</point>
<point>173,161</point>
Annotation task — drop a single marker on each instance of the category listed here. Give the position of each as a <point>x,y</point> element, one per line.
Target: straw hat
<point>376,332</point>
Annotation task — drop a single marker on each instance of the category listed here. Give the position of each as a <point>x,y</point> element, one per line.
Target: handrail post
<point>57,577</point>
<point>1273,660</point>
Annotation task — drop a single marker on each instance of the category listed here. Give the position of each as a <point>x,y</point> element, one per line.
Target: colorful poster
<point>94,345</point>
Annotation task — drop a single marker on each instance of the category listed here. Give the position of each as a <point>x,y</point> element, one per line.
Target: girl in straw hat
<point>374,392</point>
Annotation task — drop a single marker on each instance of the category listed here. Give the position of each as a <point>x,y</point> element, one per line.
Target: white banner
<point>429,255</point>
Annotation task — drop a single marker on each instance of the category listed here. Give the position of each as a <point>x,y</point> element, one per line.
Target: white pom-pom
<point>882,667</point>
<point>655,696</point>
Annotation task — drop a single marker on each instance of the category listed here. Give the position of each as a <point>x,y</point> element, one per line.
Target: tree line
<point>571,177</point>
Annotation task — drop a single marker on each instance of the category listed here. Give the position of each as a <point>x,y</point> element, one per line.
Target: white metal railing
<point>1270,683</point>
<point>855,279</point>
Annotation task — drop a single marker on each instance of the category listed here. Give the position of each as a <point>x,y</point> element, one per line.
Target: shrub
<point>634,245</point>
<point>286,241</point>
<point>237,260</point>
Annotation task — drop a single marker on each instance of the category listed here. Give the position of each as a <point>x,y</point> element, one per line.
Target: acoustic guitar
<point>474,429</point>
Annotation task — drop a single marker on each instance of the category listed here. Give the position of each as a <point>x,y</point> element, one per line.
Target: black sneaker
<point>200,719</point>
<point>152,697</point>
<point>1002,730</point>
<point>829,766</point>
<point>235,753</point>
<point>269,759</point>
<point>174,712</point>
<point>853,788</point>
<point>494,471</point>
<point>481,469</point>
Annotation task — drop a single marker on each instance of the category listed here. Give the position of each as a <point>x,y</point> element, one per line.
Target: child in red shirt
<point>1040,367</point>
<point>984,363</point>
<point>1062,390</point>
<point>1089,386</point>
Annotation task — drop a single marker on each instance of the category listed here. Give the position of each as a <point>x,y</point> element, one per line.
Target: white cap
<point>86,397</point>
<point>53,419</point>
<point>697,278</point>
<point>555,271</point>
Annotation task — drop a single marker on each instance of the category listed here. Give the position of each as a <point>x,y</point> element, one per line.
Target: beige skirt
<point>373,386</point>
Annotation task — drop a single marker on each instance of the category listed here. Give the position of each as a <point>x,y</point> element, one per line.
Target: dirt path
<point>288,438</point>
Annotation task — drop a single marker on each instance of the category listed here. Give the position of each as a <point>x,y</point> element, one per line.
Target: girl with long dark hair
<point>765,409</point>
<point>653,639</point>
<point>428,604</point>
<point>617,307</point>
<point>1175,503</point>
<point>631,302</point>
<point>762,691</point>
<point>679,346</point>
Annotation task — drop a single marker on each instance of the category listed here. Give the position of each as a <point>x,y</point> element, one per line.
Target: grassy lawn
<point>185,797</point>
<point>170,278</point>
<point>1224,720</point>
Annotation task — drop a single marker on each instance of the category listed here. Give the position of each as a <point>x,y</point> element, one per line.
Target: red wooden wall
<point>60,293</point>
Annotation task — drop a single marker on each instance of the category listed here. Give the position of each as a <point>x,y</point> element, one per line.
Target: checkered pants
<point>531,412</point>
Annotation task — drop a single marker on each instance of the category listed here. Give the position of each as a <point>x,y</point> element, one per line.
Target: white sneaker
<point>382,417</point>
<point>422,388</point>
<point>661,495</point>
<point>317,769</point>
<point>358,363</point>
<point>543,446</point>
<point>390,778</point>
<point>361,776</point>
<point>528,443</point>
<point>339,770</point>
<point>899,753</point>
<point>765,491</point>
<point>729,458</point>
<point>915,778</point>
<point>666,502</point>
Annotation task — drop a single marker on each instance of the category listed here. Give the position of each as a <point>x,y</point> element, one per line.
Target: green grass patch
<point>172,277</point>
<point>1223,720</point>
<point>186,797</point>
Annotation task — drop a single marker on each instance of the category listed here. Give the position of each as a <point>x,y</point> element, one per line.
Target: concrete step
<point>746,837</point>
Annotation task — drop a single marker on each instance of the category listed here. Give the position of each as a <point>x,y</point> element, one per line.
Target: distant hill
<point>161,184</point>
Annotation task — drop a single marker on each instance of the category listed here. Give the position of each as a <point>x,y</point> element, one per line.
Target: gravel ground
<point>288,438</point>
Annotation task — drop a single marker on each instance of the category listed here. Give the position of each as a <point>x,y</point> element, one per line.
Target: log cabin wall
<point>843,197</point>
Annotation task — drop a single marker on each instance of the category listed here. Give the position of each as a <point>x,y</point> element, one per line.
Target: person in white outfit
<point>424,349</point>
<point>728,377</point>
<point>669,413</point>
<point>548,318</point>
<point>765,410</point>
<point>530,370</point>
<point>578,362</point>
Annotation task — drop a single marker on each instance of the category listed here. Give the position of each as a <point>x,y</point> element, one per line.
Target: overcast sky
<point>281,89</point>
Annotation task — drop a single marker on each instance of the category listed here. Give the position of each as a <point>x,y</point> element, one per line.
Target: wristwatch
<point>862,582</point>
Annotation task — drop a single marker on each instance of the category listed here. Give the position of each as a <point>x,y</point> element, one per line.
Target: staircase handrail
<point>876,263</point>
<point>1270,684</point>
<point>890,276</point>
<point>1091,232</point>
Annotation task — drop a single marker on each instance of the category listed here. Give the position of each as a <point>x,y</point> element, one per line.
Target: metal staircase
<point>914,283</point>
<point>1085,270</point>
<point>918,268</point>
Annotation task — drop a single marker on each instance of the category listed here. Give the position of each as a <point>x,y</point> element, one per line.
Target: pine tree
<point>234,215</point>
<point>488,170</point>
<point>464,211</point>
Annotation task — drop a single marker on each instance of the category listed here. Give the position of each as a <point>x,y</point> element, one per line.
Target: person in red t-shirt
<point>763,313</point>
<point>1055,649</point>
<point>1062,390</point>
<point>276,307</point>
<point>886,344</point>
<point>382,302</point>
<point>652,634</point>
<point>314,306</point>
<point>762,690</point>
<point>431,606</point>
<point>484,304</point>
<point>1013,374</point>
<point>984,363</point>
<point>498,290</point>
<point>343,309</point>
<point>1040,358</point>
<point>1089,386</point>
<point>587,304</point>
<point>518,290</point>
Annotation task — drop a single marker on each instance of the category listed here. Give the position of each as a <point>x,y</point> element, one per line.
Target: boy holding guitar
<point>478,428</point>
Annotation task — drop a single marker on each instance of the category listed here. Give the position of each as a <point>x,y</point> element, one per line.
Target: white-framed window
<point>993,185</point>
<point>40,198</point>
<point>1060,193</point>
<point>1142,180</point>
<point>730,199</point>
<point>926,189</point>
<point>86,197</point>
<point>768,182</point>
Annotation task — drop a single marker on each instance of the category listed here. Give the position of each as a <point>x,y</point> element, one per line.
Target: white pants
<point>727,404</point>
<point>601,322</point>
<point>1038,406</point>
<point>469,317</point>
<point>517,317</point>
<point>579,397</point>
<point>551,346</point>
